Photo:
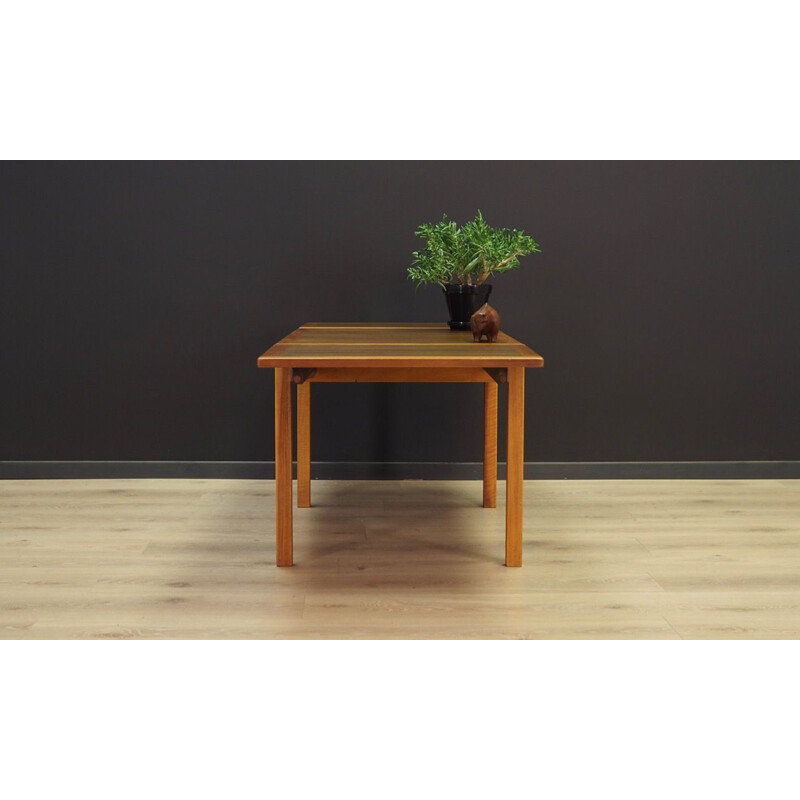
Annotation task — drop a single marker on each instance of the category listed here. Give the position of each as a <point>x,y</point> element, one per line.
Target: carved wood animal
<point>485,321</point>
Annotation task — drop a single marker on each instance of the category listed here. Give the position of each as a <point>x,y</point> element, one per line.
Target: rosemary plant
<point>468,255</point>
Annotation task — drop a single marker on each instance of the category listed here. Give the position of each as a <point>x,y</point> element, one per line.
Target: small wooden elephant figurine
<point>485,321</point>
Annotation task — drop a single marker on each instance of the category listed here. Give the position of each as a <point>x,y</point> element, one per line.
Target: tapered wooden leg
<point>490,445</point>
<point>514,465</point>
<point>283,466</point>
<point>304,445</point>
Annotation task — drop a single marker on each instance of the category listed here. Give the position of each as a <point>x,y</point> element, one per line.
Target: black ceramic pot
<point>463,302</point>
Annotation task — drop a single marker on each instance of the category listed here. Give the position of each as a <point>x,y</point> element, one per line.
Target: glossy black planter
<point>463,302</point>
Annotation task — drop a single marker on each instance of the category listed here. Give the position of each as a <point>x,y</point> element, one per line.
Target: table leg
<point>490,445</point>
<point>514,465</point>
<point>304,444</point>
<point>283,466</point>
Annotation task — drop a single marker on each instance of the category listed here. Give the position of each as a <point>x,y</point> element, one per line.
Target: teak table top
<point>395,344</point>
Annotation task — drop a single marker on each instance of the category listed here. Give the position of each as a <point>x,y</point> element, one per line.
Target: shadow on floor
<point>367,524</point>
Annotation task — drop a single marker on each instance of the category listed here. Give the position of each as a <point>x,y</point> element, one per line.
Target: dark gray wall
<point>135,298</point>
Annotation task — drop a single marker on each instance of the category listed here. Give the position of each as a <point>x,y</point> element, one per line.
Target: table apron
<point>401,375</point>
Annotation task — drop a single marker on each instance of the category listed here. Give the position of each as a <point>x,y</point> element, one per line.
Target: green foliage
<point>467,255</point>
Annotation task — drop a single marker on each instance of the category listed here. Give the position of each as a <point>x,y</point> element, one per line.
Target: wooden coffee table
<point>368,352</point>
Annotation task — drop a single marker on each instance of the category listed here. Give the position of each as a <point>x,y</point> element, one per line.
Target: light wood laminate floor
<point>195,559</point>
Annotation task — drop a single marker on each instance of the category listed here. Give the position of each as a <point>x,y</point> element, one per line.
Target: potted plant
<point>461,259</point>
